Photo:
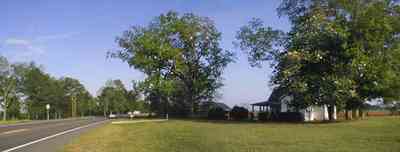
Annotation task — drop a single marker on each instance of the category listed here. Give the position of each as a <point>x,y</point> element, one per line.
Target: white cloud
<point>17,42</point>
<point>56,36</point>
<point>22,49</point>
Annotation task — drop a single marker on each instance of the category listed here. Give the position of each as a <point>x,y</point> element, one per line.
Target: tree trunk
<point>355,113</point>
<point>361,114</point>
<point>330,113</point>
<point>166,107</point>
<point>104,111</point>
<point>348,114</point>
<point>5,114</point>
<point>190,100</point>
<point>5,109</point>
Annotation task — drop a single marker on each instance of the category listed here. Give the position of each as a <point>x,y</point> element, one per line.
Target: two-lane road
<point>44,135</point>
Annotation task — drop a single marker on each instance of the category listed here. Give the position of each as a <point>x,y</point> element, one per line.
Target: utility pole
<point>48,111</point>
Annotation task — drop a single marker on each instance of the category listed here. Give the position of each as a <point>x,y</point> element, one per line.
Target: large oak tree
<point>173,47</point>
<point>337,52</point>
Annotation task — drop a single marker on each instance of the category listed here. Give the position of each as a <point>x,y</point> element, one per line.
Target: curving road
<point>43,136</point>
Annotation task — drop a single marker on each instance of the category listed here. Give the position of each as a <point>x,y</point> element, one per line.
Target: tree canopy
<point>177,50</point>
<point>336,53</point>
<point>26,88</point>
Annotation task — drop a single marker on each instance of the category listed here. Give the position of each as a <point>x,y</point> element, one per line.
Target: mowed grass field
<point>378,134</point>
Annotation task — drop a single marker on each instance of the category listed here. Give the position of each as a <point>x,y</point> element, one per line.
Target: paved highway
<point>44,136</point>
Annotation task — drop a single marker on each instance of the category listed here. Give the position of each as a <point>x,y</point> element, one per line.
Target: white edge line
<point>52,136</point>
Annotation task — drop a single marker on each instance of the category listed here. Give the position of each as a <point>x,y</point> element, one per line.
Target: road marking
<point>13,131</point>
<point>52,136</point>
<point>137,121</point>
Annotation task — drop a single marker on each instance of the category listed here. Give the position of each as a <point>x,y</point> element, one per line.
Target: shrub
<point>239,113</point>
<point>290,116</point>
<point>216,113</point>
<point>263,116</point>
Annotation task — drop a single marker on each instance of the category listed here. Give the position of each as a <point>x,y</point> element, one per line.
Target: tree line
<point>25,90</point>
<point>337,53</point>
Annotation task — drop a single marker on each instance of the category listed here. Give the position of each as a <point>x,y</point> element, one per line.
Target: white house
<point>311,113</point>
<point>278,103</point>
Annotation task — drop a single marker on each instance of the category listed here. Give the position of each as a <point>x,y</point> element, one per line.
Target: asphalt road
<point>44,136</point>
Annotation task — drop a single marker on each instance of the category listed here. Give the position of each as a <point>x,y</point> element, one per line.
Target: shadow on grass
<point>244,122</point>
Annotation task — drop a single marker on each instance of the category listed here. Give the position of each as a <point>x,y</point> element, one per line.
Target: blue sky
<point>71,37</point>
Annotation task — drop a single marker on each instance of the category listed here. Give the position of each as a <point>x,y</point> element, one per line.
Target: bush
<point>290,116</point>
<point>216,114</point>
<point>239,113</point>
<point>263,116</point>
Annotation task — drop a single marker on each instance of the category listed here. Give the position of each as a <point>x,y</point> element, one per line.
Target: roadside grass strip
<point>137,121</point>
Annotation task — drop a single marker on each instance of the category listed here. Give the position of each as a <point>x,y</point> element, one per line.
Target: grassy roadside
<point>12,121</point>
<point>374,134</point>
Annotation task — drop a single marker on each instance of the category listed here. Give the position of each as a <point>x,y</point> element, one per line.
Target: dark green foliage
<point>32,89</point>
<point>264,116</point>
<point>181,56</point>
<point>115,98</point>
<point>216,113</point>
<point>289,117</point>
<point>337,52</point>
<point>239,113</point>
<point>14,109</point>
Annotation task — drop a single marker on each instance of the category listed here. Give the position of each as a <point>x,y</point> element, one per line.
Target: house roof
<point>277,94</point>
<point>217,104</point>
<point>223,106</point>
<point>274,98</point>
<point>265,103</point>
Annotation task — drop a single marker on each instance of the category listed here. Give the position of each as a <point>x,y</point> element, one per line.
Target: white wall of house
<point>312,113</point>
<point>320,113</point>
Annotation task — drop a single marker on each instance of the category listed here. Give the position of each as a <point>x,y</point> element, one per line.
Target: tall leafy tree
<point>26,87</point>
<point>114,97</point>
<point>37,87</point>
<point>134,97</point>
<point>72,88</point>
<point>174,48</point>
<point>8,85</point>
<point>337,52</point>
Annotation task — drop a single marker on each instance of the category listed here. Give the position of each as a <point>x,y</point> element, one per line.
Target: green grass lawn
<point>379,134</point>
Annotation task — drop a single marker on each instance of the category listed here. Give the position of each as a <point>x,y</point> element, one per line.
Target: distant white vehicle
<point>136,113</point>
<point>112,116</point>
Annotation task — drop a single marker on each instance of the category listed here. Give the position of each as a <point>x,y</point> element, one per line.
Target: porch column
<point>334,113</point>
<point>326,115</point>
